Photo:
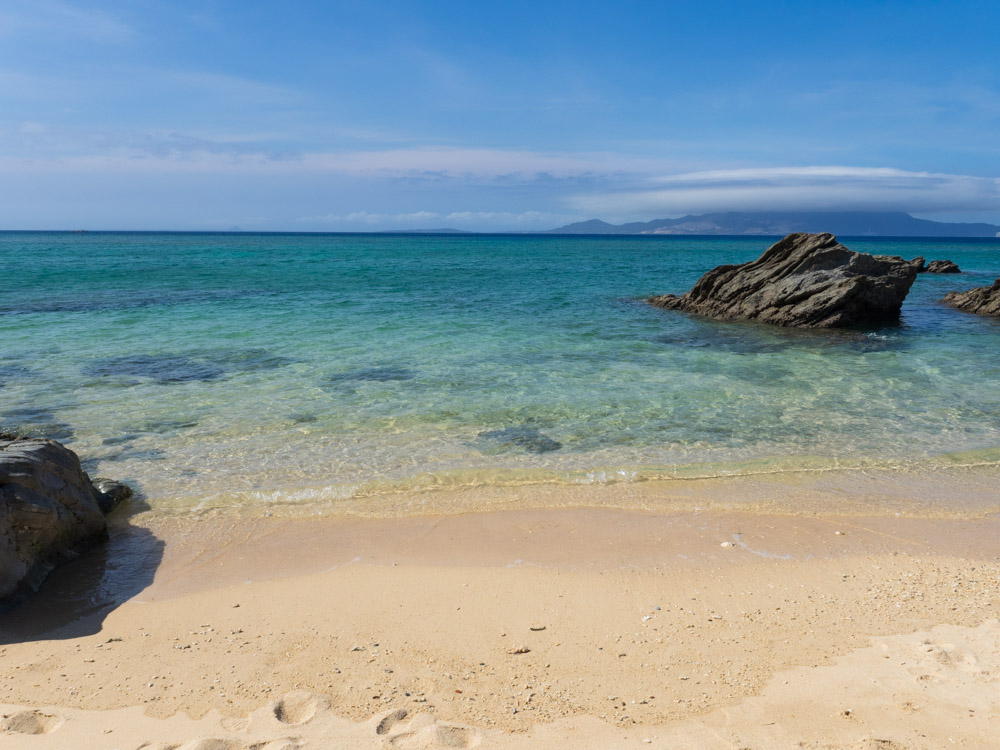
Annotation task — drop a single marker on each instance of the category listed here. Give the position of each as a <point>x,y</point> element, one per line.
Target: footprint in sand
<point>390,720</point>
<point>215,743</point>
<point>30,722</point>
<point>212,743</point>
<point>876,744</point>
<point>947,655</point>
<point>435,737</point>
<point>282,744</point>
<point>235,724</point>
<point>423,732</point>
<point>299,706</point>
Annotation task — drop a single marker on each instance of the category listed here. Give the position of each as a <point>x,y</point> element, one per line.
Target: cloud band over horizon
<point>814,188</point>
<point>428,181</point>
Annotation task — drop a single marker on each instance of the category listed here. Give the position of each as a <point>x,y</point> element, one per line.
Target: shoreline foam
<point>956,486</point>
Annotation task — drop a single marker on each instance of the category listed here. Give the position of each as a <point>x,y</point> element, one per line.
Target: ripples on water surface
<point>305,367</point>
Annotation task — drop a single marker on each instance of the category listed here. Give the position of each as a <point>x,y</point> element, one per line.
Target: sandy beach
<point>520,628</point>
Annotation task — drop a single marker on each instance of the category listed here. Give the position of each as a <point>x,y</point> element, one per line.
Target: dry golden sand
<point>567,627</point>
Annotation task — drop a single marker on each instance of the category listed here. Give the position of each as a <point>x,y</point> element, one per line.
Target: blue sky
<point>334,116</point>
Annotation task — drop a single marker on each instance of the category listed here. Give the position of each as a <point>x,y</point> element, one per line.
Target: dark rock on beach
<point>920,263</point>
<point>983,300</point>
<point>804,281</point>
<point>49,510</point>
<point>110,493</point>
<point>942,266</point>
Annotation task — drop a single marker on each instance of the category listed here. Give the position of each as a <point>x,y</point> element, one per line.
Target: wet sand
<point>549,628</point>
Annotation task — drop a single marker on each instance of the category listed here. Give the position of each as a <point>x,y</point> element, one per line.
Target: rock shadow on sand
<point>77,596</point>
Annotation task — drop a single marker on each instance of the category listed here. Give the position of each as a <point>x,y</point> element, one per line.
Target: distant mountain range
<point>844,223</point>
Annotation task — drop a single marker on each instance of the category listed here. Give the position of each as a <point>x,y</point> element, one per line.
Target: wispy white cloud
<point>177,152</point>
<point>55,19</point>
<point>830,188</point>
<point>423,219</point>
<point>527,218</point>
<point>223,85</point>
<point>901,100</point>
<point>371,218</point>
<point>480,162</point>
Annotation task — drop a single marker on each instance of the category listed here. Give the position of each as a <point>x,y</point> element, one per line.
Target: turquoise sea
<point>254,369</point>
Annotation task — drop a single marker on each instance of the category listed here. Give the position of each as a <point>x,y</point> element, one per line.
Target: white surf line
<point>770,555</point>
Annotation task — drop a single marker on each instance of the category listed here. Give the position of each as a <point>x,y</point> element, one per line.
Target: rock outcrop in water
<point>983,300</point>
<point>942,266</point>
<point>49,509</point>
<point>935,266</point>
<point>804,281</point>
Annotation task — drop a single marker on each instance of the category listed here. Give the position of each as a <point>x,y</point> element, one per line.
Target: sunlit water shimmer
<point>217,369</point>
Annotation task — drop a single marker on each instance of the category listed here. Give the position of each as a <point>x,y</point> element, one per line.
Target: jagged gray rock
<point>804,281</point>
<point>983,300</point>
<point>49,509</point>
<point>942,266</point>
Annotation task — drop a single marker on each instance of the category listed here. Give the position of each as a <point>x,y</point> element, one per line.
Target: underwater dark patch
<point>37,422</point>
<point>14,372</point>
<point>375,374</point>
<point>120,439</point>
<point>868,344</point>
<point>119,301</point>
<point>250,360</point>
<point>524,438</point>
<point>730,343</point>
<point>752,338</point>
<point>166,426</point>
<point>150,454</point>
<point>163,368</point>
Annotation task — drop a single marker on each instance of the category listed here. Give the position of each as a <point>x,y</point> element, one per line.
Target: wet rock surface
<point>804,281</point>
<point>49,509</point>
<point>983,300</point>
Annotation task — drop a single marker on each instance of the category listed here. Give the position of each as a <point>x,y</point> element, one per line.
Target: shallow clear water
<point>263,368</point>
